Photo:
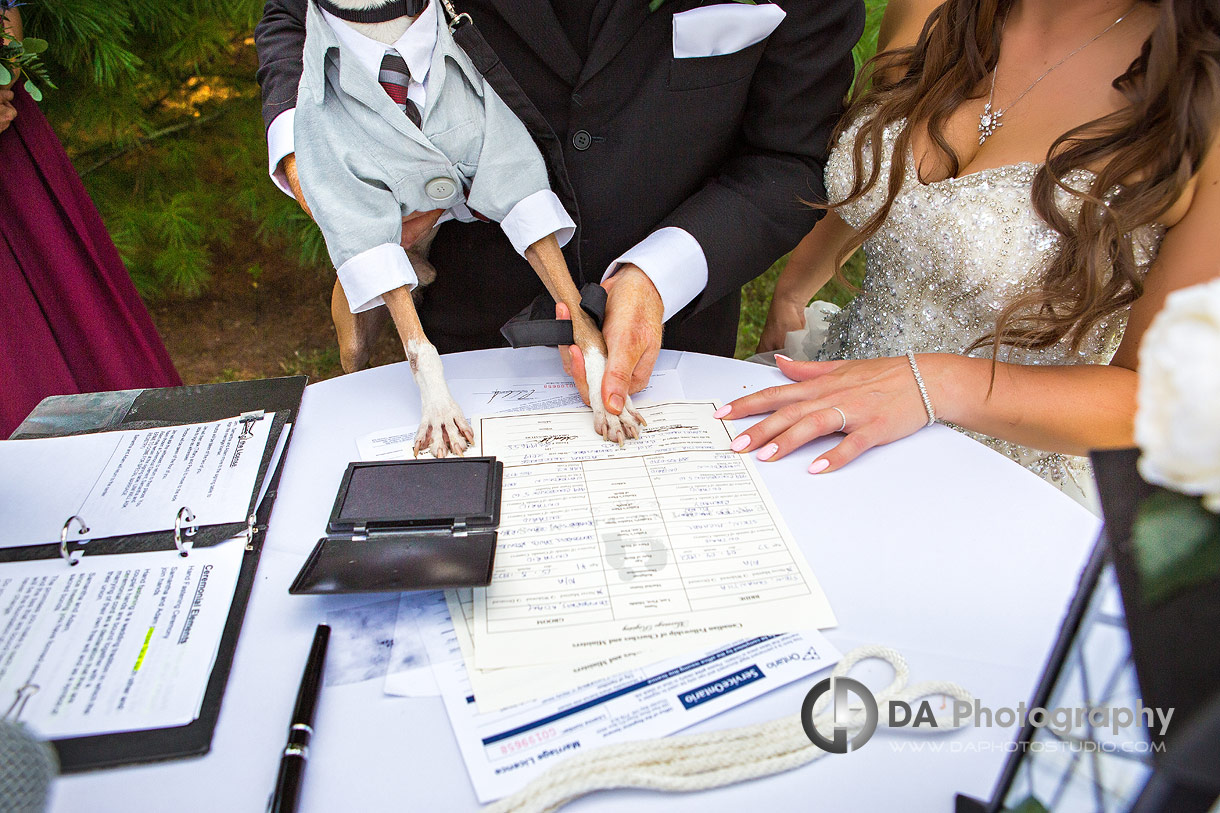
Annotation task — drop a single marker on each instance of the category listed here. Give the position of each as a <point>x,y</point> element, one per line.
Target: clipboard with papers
<point>119,619</point>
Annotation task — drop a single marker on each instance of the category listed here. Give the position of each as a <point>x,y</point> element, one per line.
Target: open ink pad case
<point>408,525</point>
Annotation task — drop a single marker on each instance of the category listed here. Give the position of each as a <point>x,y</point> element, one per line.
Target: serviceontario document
<point>505,749</point>
<point>129,482</point>
<point>667,543</point>
<point>121,642</point>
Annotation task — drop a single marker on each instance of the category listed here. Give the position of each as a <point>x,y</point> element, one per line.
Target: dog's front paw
<point>617,428</point>
<point>614,428</point>
<point>443,431</point>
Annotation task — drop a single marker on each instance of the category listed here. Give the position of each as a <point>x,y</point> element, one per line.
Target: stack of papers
<point>610,561</point>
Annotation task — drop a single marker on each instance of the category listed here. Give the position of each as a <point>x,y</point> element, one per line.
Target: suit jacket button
<point>581,140</point>
<point>440,189</point>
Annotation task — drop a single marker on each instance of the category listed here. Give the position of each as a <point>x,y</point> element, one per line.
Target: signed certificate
<point>667,543</point>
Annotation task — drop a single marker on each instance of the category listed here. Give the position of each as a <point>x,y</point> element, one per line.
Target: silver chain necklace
<point>989,120</point>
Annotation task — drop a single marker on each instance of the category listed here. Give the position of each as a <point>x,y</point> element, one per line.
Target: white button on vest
<point>440,188</point>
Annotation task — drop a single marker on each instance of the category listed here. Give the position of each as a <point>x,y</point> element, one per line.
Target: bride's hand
<point>878,397</point>
<point>786,314</point>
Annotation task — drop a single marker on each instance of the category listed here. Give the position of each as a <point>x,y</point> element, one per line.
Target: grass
<point>317,364</point>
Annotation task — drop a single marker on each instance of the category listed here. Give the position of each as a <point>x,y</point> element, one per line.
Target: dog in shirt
<point>395,132</point>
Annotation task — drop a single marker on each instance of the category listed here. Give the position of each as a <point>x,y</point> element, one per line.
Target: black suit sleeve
<point>750,213</point>
<point>280,39</point>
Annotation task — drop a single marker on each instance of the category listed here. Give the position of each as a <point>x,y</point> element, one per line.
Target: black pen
<point>296,753</point>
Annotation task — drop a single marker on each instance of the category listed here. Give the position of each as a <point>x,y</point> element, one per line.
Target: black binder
<point>171,406</point>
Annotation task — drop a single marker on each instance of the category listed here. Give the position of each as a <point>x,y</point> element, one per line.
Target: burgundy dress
<point>70,318</point>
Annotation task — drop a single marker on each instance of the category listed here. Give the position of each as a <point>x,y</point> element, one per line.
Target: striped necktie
<point>393,78</point>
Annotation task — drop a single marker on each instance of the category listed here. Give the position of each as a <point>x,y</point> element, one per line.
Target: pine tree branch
<point>153,136</point>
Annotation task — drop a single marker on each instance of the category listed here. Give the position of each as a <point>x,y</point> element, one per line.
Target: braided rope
<point>701,761</point>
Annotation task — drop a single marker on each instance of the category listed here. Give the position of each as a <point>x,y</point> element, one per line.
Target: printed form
<point>668,541</point>
<point>117,643</point>
<point>129,482</point>
<point>504,750</point>
<point>500,688</point>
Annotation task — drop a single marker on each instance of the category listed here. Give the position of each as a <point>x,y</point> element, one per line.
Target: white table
<point>934,545</point>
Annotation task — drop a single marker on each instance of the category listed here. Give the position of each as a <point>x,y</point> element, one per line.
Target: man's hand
<point>289,164</point>
<point>417,225</point>
<point>633,338</point>
<point>7,111</point>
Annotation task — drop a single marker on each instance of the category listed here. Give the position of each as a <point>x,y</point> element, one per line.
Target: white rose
<point>1177,423</point>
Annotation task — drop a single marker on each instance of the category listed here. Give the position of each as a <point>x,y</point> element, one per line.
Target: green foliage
<point>1177,545</point>
<point>22,57</point>
<point>159,109</point>
<point>124,68</point>
<point>867,46</point>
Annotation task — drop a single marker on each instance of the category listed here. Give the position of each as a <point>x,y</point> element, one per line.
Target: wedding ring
<point>843,416</point>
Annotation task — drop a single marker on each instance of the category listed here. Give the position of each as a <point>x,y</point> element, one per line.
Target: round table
<point>934,545</point>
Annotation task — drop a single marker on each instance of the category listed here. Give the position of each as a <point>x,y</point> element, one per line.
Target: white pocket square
<point>724,28</point>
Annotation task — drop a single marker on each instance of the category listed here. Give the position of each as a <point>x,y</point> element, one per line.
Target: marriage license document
<point>668,543</point>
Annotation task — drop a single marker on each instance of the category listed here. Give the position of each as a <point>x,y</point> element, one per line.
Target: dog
<point>377,176</point>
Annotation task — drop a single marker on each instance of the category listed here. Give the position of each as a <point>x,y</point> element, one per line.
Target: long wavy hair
<point>1149,150</point>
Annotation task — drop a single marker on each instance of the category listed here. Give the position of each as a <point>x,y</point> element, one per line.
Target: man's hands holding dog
<point>633,338</point>
<point>414,226</point>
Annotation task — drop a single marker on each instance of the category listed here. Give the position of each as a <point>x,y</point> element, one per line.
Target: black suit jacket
<point>725,147</point>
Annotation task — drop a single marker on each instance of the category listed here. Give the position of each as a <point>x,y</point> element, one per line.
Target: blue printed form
<point>504,750</point>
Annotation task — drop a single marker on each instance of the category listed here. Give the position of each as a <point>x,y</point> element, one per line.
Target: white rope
<point>702,761</point>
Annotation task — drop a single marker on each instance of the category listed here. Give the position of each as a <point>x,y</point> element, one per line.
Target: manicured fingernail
<point>723,411</point>
<point>767,452</point>
<point>819,466</point>
<point>616,403</point>
<point>740,444</point>
<point>782,356</point>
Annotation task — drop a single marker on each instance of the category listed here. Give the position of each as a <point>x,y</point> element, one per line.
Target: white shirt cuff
<point>374,272</point>
<point>281,142</point>
<point>674,262</point>
<point>536,216</point>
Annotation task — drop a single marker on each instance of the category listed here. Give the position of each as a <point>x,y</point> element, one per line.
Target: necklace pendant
<point>989,122</point>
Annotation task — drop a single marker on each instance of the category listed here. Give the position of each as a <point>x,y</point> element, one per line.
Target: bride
<point>1029,179</point>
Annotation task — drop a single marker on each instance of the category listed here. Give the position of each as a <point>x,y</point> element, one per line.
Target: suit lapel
<point>535,22</point>
<point>625,17</point>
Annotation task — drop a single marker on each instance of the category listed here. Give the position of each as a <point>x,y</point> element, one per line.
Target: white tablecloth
<point>934,545</point>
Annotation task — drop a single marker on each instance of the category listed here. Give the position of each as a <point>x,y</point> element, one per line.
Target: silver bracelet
<point>923,391</point>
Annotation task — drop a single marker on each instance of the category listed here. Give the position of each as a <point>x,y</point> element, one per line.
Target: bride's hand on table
<point>879,399</point>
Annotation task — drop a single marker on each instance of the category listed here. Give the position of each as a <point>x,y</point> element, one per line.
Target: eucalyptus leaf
<point>1177,544</point>
<point>34,45</point>
<point>6,75</point>
<point>1029,805</point>
<point>33,90</point>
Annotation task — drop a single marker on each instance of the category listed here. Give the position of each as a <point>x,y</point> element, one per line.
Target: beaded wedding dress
<point>948,258</point>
